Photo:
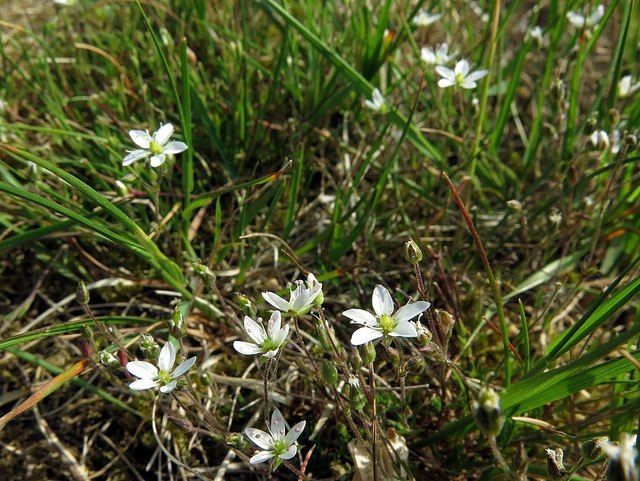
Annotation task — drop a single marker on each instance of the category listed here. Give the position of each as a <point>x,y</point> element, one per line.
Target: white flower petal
<point>404,329</point>
<point>167,357</point>
<point>183,367</point>
<point>142,369</point>
<point>281,335</point>
<point>270,354</point>
<point>468,84</point>
<point>381,300</point>
<point>360,316</point>
<point>295,432</point>
<point>246,348</point>
<point>255,330</point>
<point>411,310</point>
<point>141,384</point>
<point>141,138</point>
<point>163,134</point>
<point>276,301</point>
<point>277,427</point>
<point>445,72</point>
<point>273,327</point>
<point>477,75</point>
<point>259,437</point>
<point>134,156</point>
<point>289,453</point>
<point>168,387</point>
<point>157,160</point>
<point>462,67</point>
<point>261,457</point>
<point>443,83</point>
<point>174,148</point>
<point>364,335</point>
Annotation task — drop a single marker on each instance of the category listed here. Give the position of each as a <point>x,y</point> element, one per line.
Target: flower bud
<point>34,172</point>
<point>368,353</point>
<point>108,360</point>
<point>599,140</point>
<point>417,364</point>
<point>412,252</point>
<point>446,321</point>
<point>592,448</point>
<point>246,305</point>
<point>514,205</point>
<point>424,335</point>
<point>631,140</point>
<point>323,336</point>
<point>357,400</point>
<point>394,357</point>
<point>329,373</point>
<point>177,324</point>
<point>82,294</point>
<point>121,189</point>
<point>237,440</point>
<point>555,468</point>
<point>488,413</point>
<point>355,359</point>
<point>149,347</point>
<point>312,282</point>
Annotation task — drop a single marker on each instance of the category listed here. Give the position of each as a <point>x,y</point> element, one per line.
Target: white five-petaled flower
<point>579,20</point>
<point>460,76</point>
<point>385,322</point>
<point>275,443</point>
<point>440,56</point>
<point>301,299</point>
<point>265,342</point>
<point>622,457</point>
<point>626,86</point>
<point>377,102</point>
<point>163,376</point>
<point>423,18</point>
<point>156,146</point>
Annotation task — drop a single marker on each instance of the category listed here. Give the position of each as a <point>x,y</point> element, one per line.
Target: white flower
<point>152,376</point>
<point>460,76</point>
<point>578,20</point>
<point>622,457</point>
<point>377,102</point>
<point>275,443</point>
<point>599,139</point>
<point>385,322</point>
<point>625,87</point>
<point>423,18</point>
<point>439,57</point>
<point>155,146</point>
<point>65,2</point>
<point>301,299</point>
<point>264,342</point>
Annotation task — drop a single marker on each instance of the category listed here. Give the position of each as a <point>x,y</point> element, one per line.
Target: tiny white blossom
<point>301,299</point>
<point>423,18</point>
<point>66,3</point>
<point>460,76</point>
<point>622,458</point>
<point>377,102</point>
<point>555,216</point>
<point>626,87</point>
<point>265,342</point>
<point>440,56</point>
<point>157,146</point>
<point>151,376</point>
<point>275,443</point>
<point>578,20</point>
<point>385,322</point>
<point>599,139</point>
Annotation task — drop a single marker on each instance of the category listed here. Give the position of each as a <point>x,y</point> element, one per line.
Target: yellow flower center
<point>387,323</point>
<point>164,378</point>
<point>155,147</point>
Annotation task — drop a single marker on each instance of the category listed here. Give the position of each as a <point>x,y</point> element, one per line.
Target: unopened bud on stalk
<point>555,468</point>
<point>631,140</point>
<point>488,413</point>
<point>108,360</point>
<point>417,364</point>
<point>515,205</point>
<point>323,336</point>
<point>599,140</point>
<point>329,373</point>
<point>357,400</point>
<point>394,357</point>
<point>592,448</point>
<point>177,324</point>
<point>355,359</point>
<point>446,322</point>
<point>149,347</point>
<point>82,294</point>
<point>34,173</point>
<point>121,189</point>
<point>237,441</point>
<point>424,335</point>
<point>412,252</point>
<point>246,305</point>
<point>368,353</point>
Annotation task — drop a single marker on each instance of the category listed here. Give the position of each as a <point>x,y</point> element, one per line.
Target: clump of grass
<point>320,137</point>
